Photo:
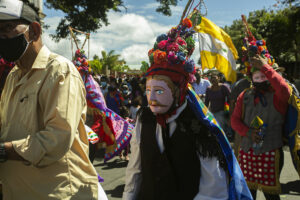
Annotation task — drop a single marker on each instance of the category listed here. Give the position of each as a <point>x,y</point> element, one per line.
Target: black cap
<point>16,9</point>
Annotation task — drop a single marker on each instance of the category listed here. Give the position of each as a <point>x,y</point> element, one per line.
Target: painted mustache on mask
<point>156,103</point>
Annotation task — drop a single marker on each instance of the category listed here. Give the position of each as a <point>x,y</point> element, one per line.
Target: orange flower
<point>260,48</point>
<point>159,56</point>
<point>187,22</point>
<point>150,52</point>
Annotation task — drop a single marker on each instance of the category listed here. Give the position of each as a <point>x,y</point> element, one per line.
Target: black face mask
<point>12,49</point>
<point>264,86</point>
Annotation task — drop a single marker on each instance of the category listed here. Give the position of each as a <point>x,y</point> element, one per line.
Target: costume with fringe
<point>111,129</point>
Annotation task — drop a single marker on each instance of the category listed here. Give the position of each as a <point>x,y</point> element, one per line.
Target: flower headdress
<point>252,47</point>
<point>81,62</point>
<point>171,53</point>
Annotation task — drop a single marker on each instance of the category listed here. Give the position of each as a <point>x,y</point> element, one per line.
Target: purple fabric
<point>100,179</point>
<point>122,129</point>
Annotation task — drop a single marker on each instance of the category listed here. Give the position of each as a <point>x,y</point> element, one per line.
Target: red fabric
<point>98,128</point>
<point>177,76</point>
<point>161,119</point>
<point>280,101</point>
<point>177,73</point>
<point>90,104</point>
<point>258,169</point>
<point>1,69</point>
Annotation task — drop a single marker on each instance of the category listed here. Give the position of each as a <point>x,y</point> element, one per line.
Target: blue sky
<point>131,34</point>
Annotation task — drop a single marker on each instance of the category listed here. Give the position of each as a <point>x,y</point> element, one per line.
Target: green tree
<point>84,15</point>
<point>113,62</point>
<point>109,60</point>
<point>144,66</point>
<point>96,65</point>
<point>280,29</point>
<point>291,2</point>
<point>164,6</point>
<point>90,15</point>
<point>121,68</point>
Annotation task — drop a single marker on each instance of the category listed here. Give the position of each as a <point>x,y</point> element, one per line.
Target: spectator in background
<point>104,85</point>
<point>136,89</point>
<point>216,96</point>
<point>201,85</point>
<point>135,106</point>
<point>113,82</point>
<point>126,95</point>
<point>144,101</point>
<point>119,82</point>
<point>224,81</point>
<point>114,100</point>
<point>127,81</point>
<point>97,78</point>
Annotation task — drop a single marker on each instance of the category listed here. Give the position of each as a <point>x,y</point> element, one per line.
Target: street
<point>113,173</point>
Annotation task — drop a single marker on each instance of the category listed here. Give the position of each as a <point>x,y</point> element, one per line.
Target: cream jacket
<point>43,114</point>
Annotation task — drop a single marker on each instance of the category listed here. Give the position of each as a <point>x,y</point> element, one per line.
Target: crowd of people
<point>178,149</point>
<point>124,95</point>
<point>127,93</point>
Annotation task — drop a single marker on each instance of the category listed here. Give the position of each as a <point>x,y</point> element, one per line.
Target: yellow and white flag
<point>216,49</point>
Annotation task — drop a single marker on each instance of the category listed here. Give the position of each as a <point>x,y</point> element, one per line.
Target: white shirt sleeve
<point>208,84</point>
<point>133,171</point>
<point>213,181</point>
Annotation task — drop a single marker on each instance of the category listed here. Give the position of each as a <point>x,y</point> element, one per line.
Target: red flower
<point>181,42</point>
<point>162,44</point>
<point>172,47</point>
<point>187,22</point>
<point>159,56</point>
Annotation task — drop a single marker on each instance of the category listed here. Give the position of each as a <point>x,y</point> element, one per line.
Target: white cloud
<point>130,35</point>
<point>150,17</point>
<point>64,47</point>
<point>136,53</point>
<point>151,6</point>
<point>126,27</point>
<point>129,7</point>
<point>52,22</point>
<point>177,10</point>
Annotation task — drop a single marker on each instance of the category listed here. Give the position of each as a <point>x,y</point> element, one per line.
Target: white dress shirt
<point>201,87</point>
<point>213,181</point>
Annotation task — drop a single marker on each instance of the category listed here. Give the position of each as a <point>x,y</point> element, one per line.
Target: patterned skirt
<point>261,171</point>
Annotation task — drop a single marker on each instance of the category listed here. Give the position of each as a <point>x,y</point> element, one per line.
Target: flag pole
<point>185,10</point>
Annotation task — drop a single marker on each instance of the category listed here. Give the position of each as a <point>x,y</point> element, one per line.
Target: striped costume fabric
<point>112,126</point>
<point>238,189</point>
